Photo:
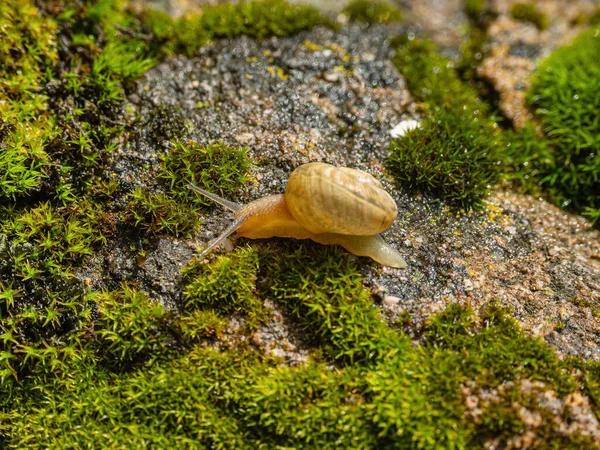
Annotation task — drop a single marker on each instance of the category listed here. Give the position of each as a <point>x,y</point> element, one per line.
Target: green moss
<point>321,286</point>
<point>590,374</point>
<point>594,17</point>
<point>474,8</point>
<point>56,236</point>
<point>42,304</point>
<point>179,405</point>
<point>372,12</point>
<point>385,392</point>
<point>227,284</point>
<point>564,97</point>
<point>431,78</point>
<point>131,327</point>
<point>158,213</point>
<point>414,396</point>
<point>472,53</point>
<point>117,369</point>
<point>562,161</point>
<point>509,354</point>
<point>591,18</point>
<point>527,157</point>
<point>216,167</point>
<point>27,46</point>
<point>454,152</point>
<point>201,324</point>
<point>260,20</point>
<point>528,12</point>
<point>449,156</point>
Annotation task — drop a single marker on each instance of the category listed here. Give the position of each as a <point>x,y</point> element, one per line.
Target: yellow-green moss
<point>321,286</point>
<point>564,162</point>
<point>27,47</point>
<point>474,8</point>
<point>118,369</point>
<point>130,326</point>
<point>372,12</point>
<point>158,212</point>
<point>260,20</point>
<point>528,12</point>
<point>216,167</point>
<point>227,285</point>
<point>371,387</point>
<point>527,159</point>
<point>594,18</point>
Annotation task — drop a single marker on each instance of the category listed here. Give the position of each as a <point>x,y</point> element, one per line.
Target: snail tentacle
<point>224,235</point>
<point>235,207</point>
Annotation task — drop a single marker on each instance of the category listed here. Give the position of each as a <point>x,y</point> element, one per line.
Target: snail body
<point>329,205</point>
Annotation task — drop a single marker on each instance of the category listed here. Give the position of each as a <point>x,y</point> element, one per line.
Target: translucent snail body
<point>330,205</point>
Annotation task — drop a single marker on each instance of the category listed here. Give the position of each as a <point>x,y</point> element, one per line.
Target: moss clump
<point>28,46</point>
<point>42,304</point>
<point>227,285</point>
<point>22,158</point>
<point>431,78</point>
<point>326,295</point>
<point>201,324</point>
<point>131,327</point>
<point>159,213</point>
<point>527,157</point>
<point>166,122</point>
<point>454,153</point>
<point>448,156</point>
<point>564,94</point>
<point>472,52</point>
<point>216,167</point>
<point>372,12</point>
<point>528,12</point>
<point>594,18</point>
<point>508,354</point>
<point>474,8</point>
<point>261,19</point>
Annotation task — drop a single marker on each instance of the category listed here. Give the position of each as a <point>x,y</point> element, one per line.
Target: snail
<point>330,205</point>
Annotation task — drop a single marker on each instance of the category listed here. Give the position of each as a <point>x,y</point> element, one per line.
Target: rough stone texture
<point>522,252</point>
<point>281,338</point>
<point>516,47</point>
<point>573,414</point>
<point>443,21</point>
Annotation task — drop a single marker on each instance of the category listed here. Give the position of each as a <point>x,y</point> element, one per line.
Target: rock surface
<point>334,97</point>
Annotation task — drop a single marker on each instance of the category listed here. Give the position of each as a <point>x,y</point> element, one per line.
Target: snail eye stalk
<point>224,235</point>
<point>215,198</point>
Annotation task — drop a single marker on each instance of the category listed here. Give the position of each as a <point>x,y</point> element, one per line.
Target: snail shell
<point>328,199</point>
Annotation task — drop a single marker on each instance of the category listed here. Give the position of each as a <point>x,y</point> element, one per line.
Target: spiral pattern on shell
<point>328,199</point>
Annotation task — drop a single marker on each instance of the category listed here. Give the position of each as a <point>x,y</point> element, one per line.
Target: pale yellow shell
<point>328,199</point>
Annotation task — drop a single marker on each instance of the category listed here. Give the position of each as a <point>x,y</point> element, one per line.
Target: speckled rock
<point>572,414</point>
